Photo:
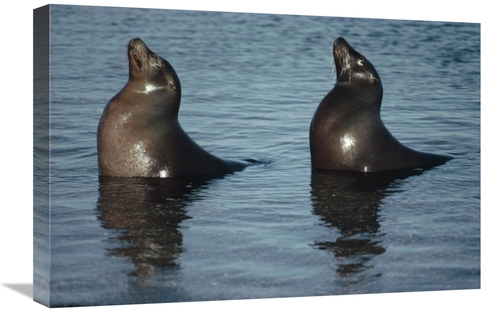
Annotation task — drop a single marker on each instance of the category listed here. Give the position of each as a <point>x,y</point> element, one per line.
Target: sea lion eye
<point>172,84</point>
<point>360,62</point>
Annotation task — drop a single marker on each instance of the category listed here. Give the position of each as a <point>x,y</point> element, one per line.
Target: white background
<point>16,101</point>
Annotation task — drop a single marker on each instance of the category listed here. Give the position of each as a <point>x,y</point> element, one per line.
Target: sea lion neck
<point>158,99</point>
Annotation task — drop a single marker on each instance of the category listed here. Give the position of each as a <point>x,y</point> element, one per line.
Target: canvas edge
<point>41,155</point>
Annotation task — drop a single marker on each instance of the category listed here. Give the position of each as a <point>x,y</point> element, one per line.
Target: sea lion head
<point>351,66</point>
<point>147,66</point>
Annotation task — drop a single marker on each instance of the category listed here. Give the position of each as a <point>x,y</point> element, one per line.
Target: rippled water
<point>251,84</point>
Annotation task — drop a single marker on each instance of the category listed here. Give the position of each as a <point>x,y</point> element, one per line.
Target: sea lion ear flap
<point>374,79</point>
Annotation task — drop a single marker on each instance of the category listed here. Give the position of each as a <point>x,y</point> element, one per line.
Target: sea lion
<point>346,131</point>
<point>139,134</point>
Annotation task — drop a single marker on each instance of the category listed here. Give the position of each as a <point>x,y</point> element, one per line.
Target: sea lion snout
<point>141,58</point>
<point>340,47</point>
<point>341,55</point>
<point>137,45</point>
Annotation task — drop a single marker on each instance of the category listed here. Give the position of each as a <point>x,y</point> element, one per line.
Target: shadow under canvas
<point>24,289</point>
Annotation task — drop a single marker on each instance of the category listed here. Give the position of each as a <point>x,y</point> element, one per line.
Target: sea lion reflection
<point>148,213</point>
<point>349,201</point>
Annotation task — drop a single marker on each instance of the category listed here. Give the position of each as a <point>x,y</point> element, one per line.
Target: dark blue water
<point>251,84</point>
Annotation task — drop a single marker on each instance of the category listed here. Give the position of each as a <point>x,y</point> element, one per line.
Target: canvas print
<point>185,156</point>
